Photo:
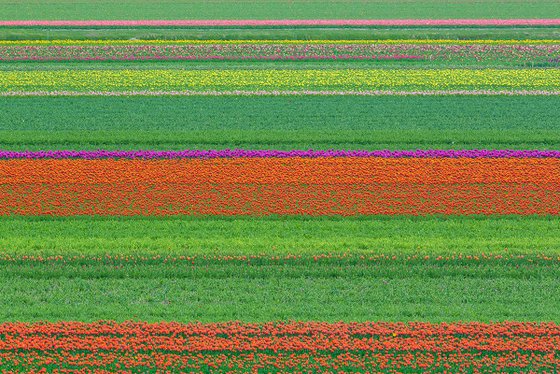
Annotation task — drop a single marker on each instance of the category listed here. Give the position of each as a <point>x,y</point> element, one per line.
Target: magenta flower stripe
<point>283,22</point>
<point>231,153</point>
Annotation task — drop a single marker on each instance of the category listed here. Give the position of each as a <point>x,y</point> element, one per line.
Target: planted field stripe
<point>219,289</point>
<point>244,153</point>
<point>174,42</point>
<point>371,236</point>
<point>290,22</point>
<point>308,10</point>
<point>256,93</point>
<point>279,122</point>
<point>429,55</point>
<point>262,186</point>
<point>270,81</point>
<point>294,170</point>
<point>280,346</point>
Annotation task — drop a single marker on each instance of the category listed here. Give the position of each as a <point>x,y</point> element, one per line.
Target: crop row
<point>290,22</point>
<point>280,346</point>
<point>291,170</point>
<point>244,153</point>
<point>285,236</point>
<point>290,12</point>
<point>473,361</point>
<point>205,52</point>
<point>280,122</point>
<point>326,290</point>
<point>343,80</point>
<point>344,267</point>
<point>460,53</point>
<point>346,258</point>
<point>256,93</point>
<point>224,42</point>
<point>287,186</point>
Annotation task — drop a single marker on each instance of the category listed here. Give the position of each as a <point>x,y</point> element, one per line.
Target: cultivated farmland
<point>279,186</point>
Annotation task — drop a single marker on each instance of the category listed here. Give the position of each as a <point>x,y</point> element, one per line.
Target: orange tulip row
<point>288,186</point>
<point>328,170</point>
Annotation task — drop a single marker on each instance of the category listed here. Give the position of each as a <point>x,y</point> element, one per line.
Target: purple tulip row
<point>233,153</point>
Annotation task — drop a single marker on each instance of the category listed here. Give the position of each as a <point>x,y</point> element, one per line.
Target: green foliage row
<point>224,291</point>
<point>342,122</point>
<point>122,270</point>
<point>449,61</point>
<point>306,236</point>
<point>280,33</point>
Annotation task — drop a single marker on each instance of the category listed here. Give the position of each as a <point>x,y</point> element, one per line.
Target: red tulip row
<point>234,346</point>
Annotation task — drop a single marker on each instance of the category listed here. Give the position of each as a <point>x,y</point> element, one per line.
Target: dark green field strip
<point>176,236</point>
<point>278,139</point>
<point>226,291</point>
<point>274,9</point>
<point>344,122</point>
<point>303,33</point>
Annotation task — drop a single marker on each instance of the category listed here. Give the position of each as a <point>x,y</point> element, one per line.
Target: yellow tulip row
<point>225,80</point>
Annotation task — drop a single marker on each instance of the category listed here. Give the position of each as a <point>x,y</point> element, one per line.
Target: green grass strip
<point>343,122</point>
<point>271,236</point>
<point>274,9</point>
<point>454,62</point>
<point>224,291</point>
<point>301,33</point>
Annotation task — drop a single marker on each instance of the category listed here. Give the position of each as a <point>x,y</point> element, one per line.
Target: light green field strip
<point>94,236</point>
<point>410,291</point>
<point>141,284</point>
<point>255,81</point>
<point>274,9</point>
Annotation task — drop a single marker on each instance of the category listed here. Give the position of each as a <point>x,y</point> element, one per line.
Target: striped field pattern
<point>262,191</point>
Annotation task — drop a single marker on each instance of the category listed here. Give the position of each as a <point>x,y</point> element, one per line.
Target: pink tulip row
<point>209,58</point>
<point>202,52</point>
<point>305,22</point>
<point>475,53</point>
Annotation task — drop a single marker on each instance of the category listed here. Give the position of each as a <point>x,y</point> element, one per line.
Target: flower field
<point>279,347</point>
<point>276,184</point>
<point>449,52</point>
<point>279,186</point>
<point>274,81</point>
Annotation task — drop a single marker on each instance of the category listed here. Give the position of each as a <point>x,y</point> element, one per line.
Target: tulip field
<point>282,347</point>
<point>279,186</point>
